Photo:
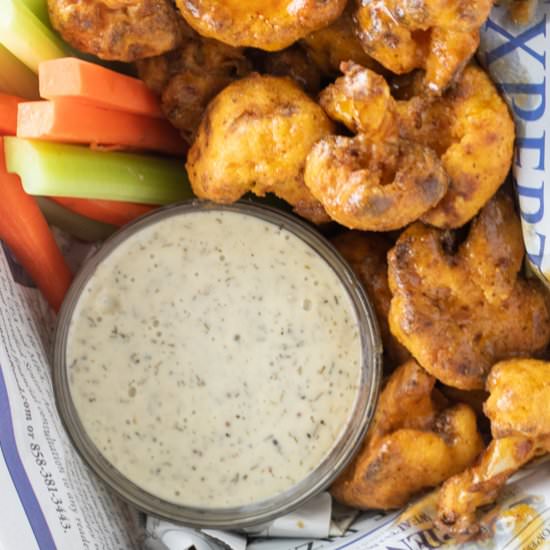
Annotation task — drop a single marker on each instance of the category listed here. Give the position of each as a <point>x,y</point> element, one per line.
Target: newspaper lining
<point>49,498</point>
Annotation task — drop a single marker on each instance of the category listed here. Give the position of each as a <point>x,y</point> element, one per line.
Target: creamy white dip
<point>214,359</point>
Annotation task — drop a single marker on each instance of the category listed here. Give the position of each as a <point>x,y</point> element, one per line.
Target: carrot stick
<point>8,115</point>
<point>71,77</point>
<point>72,121</point>
<point>111,212</point>
<point>26,232</point>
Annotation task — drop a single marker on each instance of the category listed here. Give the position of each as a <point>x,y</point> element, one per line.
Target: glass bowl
<point>317,480</point>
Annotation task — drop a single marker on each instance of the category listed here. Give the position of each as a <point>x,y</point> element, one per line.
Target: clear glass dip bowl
<point>317,480</point>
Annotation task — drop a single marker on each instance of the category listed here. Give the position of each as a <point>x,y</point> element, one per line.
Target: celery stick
<point>16,78</point>
<point>22,33</point>
<point>78,226</point>
<point>52,169</point>
<point>39,8</point>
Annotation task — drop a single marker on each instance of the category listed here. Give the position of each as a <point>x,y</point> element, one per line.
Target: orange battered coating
<point>255,137</point>
<point>366,253</point>
<point>473,133</point>
<point>188,78</point>
<point>413,444</point>
<point>460,312</point>
<point>375,181</point>
<point>266,24</point>
<point>293,62</point>
<point>337,43</point>
<point>519,411</point>
<point>439,36</point>
<point>120,30</point>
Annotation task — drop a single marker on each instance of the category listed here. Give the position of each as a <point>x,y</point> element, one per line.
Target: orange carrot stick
<point>26,232</point>
<point>71,77</point>
<point>112,212</point>
<point>8,114</point>
<point>71,121</point>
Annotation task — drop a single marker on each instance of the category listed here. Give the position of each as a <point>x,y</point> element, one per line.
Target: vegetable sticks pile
<point>97,145</point>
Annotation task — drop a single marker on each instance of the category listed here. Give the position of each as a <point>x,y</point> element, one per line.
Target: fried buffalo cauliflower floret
<point>435,35</point>
<point>332,45</point>
<point>366,253</point>
<point>120,30</point>
<point>188,78</point>
<point>375,181</point>
<point>519,411</point>
<point>472,132</point>
<point>254,137</point>
<point>460,311</point>
<point>266,24</point>
<point>293,62</point>
<point>413,444</point>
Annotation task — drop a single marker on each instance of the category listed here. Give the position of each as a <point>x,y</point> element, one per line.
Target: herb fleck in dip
<point>214,359</point>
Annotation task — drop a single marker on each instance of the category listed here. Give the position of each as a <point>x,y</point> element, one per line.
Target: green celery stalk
<point>52,169</point>
<point>39,8</point>
<point>26,37</point>
<point>78,226</point>
<point>16,78</point>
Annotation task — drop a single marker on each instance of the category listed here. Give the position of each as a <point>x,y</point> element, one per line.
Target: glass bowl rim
<point>318,479</point>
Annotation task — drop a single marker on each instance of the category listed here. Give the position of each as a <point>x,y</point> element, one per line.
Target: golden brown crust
<point>519,402</point>
<point>293,62</point>
<point>437,36</point>
<point>519,410</point>
<point>472,129</point>
<point>366,253</point>
<point>120,30</point>
<point>459,312</point>
<point>255,137</point>
<point>266,24</point>
<point>412,444</point>
<point>375,181</point>
<point>188,78</point>
<point>374,186</point>
<point>337,43</point>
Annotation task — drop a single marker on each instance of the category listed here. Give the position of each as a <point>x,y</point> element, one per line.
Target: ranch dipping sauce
<point>214,359</point>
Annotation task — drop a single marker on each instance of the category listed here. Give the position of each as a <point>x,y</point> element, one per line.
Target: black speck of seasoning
<point>237,337</point>
<point>227,434</point>
<point>275,442</point>
<point>308,436</point>
<point>322,422</point>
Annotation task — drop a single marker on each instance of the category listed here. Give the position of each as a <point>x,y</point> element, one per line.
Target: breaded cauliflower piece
<point>266,24</point>
<point>519,411</point>
<point>119,30</point>
<point>458,312</point>
<point>255,137</point>
<point>413,444</point>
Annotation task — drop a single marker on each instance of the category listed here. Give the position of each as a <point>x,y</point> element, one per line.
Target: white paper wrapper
<point>48,499</point>
<point>518,59</point>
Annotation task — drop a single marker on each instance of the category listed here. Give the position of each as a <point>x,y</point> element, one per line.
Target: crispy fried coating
<point>413,444</point>
<point>435,35</point>
<point>293,62</point>
<point>266,24</point>
<point>366,253</point>
<point>375,181</point>
<point>255,137</point>
<point>519,411</point>
<point>471,129</point>
<point>120,30</point>
<point>460,312</point>
<point>332,45</point>
<point>188,78</point>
